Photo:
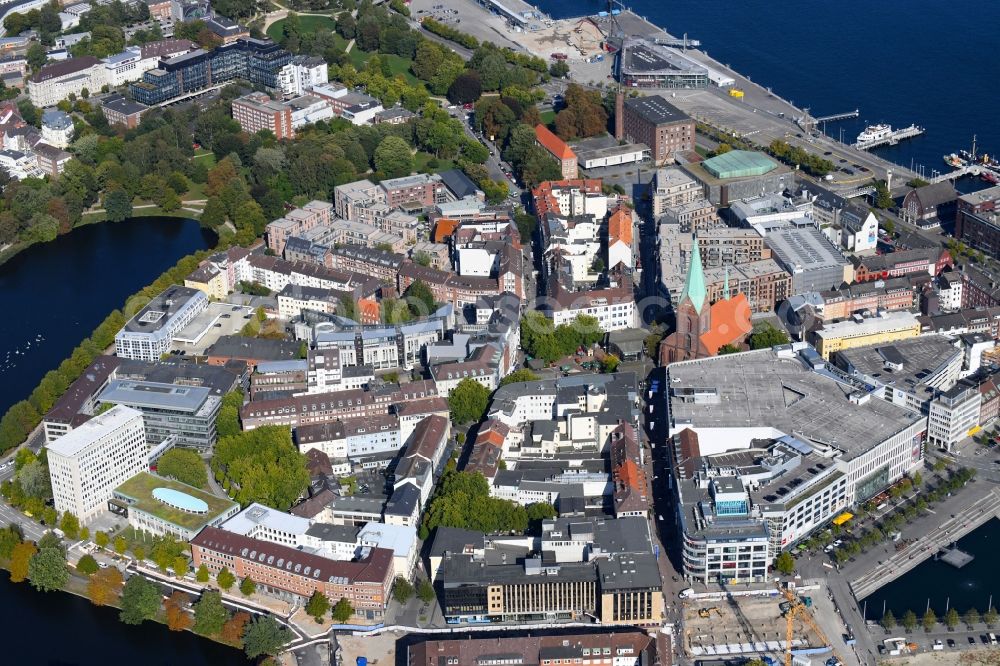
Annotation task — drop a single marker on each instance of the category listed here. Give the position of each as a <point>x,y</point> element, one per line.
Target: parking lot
<point>217,320</point>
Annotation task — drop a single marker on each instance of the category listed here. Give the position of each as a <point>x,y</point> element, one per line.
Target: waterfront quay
<point>931,543</point>
<point>759,115</point>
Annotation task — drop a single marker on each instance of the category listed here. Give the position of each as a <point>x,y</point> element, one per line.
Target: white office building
<point>88,463</point>
<point>953,415</point>
<point>147,335</point>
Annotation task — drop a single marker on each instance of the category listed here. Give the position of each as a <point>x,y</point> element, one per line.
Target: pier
<point>683,43</point>
<point>838,116</point>
<point>955,557</point>
<point>892,139</point>
<point>960,172</point>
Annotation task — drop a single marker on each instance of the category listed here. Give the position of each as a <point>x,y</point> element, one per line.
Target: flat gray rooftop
<point>763,389</point>
<point>922,359</point>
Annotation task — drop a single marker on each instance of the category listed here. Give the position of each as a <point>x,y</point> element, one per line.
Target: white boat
<point>874,133</point>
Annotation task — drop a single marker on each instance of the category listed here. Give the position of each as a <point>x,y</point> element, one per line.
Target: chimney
<point>619,115</point>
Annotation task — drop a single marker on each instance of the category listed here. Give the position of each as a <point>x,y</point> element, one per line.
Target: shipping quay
<point>937,540</point>
<point>715,94</point>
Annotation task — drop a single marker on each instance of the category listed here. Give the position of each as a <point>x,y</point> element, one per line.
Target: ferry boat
<point>953,160</point>
<point>875,133</point>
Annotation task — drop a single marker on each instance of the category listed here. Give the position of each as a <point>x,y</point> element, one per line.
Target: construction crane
<point>796,607</point>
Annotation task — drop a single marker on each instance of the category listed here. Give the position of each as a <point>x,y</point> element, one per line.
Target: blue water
<point>54,294</point>
<point>928,62</point>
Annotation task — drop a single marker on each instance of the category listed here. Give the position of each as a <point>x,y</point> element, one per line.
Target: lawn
<point>397,64</point>
<point>421,159</point>
<point>548,117</point>
<point>205,156</point>
<point>308,24</point>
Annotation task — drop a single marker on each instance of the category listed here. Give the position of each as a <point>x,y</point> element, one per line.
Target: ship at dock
<point>875,133</point>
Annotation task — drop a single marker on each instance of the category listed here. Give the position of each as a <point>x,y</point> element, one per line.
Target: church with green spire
<point>701,328</point>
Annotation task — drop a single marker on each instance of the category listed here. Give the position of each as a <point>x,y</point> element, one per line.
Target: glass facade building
<point>259,61</point>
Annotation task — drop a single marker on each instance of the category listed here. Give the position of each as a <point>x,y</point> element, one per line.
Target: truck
<point>807,601</point>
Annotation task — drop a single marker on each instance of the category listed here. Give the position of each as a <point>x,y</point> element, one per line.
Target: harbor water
<point>922,62</point>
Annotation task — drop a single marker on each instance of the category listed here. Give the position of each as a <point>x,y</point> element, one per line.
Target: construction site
<point>756,625</point>
<point>576,39</point>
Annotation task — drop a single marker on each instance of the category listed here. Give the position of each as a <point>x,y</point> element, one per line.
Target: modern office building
<point>258,61</point>
<point>147,335</point>
<point>162,506</point>
<point>89,462</point>
<point>645,64</point>
<point>954,415</point>
<point>768,445</point>
<point>185,412</point>
<point>814,263</point>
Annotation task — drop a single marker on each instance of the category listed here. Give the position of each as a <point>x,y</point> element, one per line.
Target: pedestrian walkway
<point>940,537</point>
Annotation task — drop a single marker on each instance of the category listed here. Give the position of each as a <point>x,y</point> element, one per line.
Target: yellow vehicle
<point>707,612</point>
<point>736,92</point>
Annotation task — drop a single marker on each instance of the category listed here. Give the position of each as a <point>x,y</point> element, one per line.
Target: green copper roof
<point>694,285</point>
<point>739,164</point>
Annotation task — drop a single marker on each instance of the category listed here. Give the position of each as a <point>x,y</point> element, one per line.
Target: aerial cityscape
<point>477,332</point>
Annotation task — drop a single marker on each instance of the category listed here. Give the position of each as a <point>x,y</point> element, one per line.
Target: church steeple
<point>694,285</point>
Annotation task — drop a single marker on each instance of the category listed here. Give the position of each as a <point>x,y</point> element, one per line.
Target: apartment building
<point>90,461</point>
<point>55,82</point>
<point>673,187</point>
<point>257,111</point>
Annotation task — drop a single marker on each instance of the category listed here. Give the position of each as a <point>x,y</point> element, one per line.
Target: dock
<point>837,116</point>
<point>892,139</point>
<point>977,513</point>
<point>955,557</point>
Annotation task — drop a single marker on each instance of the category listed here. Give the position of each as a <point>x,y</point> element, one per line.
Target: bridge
<point>838,116</point>
<point>960,172</point>
<point>859,192</point>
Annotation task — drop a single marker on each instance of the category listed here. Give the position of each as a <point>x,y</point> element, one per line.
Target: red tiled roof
<point>730,323</point>
<point>620,226</point>
<point>443,229</point>
<point>552,143</point>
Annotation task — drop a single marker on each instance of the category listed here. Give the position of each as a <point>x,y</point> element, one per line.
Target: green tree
<point>990,617</point>
<point>951,619</point>
<point>425,591</point>
<point>140,601</point>
<point>263,465</point>
<point>883,197</point>
<point>888,226</point>
<point>785,563</point>
<point>610,363</point>
<point>468,401</point>
<point>929,621</point>
<point>37,57</point>
<point>342,611</point>
<point>317,606</point>
<point>20,561</point>
<point>971,617</point>
<point>202,575</point>
<point>467,87</point>
<point>888,620</point>
<point>209,613</point>
<point>559,69</point>
<point>10,536</point>
<point>228,421</point>
<point>101,539</point>
<point>180,566</point>
<point>247,587</point>
<point>47,570</point>
<point>522,375</point>
<point>87,565</point>
<point>225,579</point>
<point>402,590</point>
<point>766,336</point>
<point>264,636</point>
<point>121,545</point>
<point>909,621</point>
<point>184,465</point>
<point>393,158</point>
<point>117,205</point>
<point>420,299</point>
<point>70,525</point>
<point>728,349</point>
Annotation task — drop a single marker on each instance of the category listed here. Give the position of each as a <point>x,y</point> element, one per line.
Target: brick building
<point>977,222</point>
<point>257,111</point>
<point>657,123</point>
<point>558,149</point>
<point>294,574</point>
